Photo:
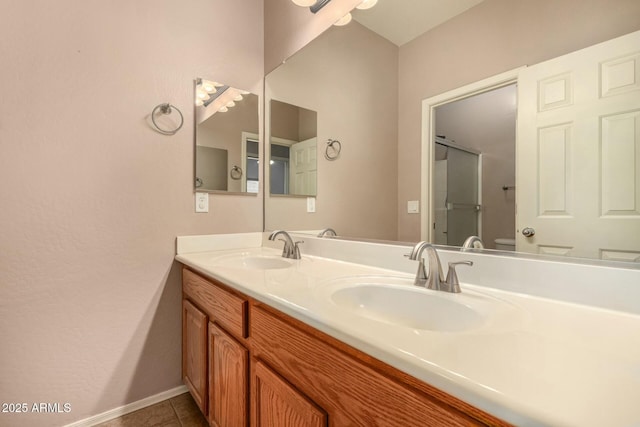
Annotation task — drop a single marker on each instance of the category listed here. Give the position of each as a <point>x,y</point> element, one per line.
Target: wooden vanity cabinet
<point>194,353</point>
<point>267,369</point>
<point>223,358</point>
<point>276,403</point>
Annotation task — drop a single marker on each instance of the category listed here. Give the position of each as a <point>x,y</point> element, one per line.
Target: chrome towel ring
<point>166,109</point>
<point>333,149</point>
<point>236,172</point>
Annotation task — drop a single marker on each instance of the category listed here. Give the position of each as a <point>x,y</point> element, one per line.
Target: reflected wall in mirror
<point>293,150</point>
<point>372,102</point>
<point>226,138</point>
<point>356,100</point>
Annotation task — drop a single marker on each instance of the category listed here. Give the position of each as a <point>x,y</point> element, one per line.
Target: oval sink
<point>396,301</point>
<point>253,262</point>
<point>411,307</point>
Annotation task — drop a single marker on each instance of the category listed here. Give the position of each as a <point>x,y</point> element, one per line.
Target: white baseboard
<point>128,408</point>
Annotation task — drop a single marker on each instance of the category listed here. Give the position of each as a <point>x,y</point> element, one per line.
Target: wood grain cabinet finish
<point>225,307</point>
<point>228,380</point>
<point>298,376</point>
<point>275,403</point>
<point>194,353</point>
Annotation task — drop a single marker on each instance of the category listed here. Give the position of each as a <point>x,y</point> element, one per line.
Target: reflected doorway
<point>477,126</point>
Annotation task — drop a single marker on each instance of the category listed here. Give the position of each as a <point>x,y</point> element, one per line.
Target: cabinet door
<point>194,353</point>
<point>228,382</point>
<point>275,403</point>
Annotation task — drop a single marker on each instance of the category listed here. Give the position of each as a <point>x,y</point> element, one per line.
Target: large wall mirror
<point>226,139</point>
<point>372,102</point>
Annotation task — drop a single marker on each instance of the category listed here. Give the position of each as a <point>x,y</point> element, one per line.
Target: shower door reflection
<point>456,193</point>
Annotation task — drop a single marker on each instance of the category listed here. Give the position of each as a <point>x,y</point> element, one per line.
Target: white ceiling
<point>400,21</point>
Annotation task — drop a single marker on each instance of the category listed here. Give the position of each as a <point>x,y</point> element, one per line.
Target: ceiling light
<point>208,86</point>
<point>201,94</point>
<point>223,109</point>
<point>231,104</point>
<point>367,4</point>
<point>343,21</point>
<point>238,97</point>
<point>304,3</point>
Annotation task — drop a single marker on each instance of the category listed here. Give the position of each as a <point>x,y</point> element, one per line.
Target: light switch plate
<point>413,206</point>
<point>202,202</point>
<point>311,204</point>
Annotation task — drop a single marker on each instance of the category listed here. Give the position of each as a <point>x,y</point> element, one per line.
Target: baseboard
<point>130,407</point>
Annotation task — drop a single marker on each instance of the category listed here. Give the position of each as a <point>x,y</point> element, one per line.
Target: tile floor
<point>179,411</point>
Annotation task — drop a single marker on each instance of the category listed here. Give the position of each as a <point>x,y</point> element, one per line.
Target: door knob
<point>528,232</point>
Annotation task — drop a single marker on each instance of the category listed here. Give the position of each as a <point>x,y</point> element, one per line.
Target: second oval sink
<point>397,301</point>
<point>411,307</point>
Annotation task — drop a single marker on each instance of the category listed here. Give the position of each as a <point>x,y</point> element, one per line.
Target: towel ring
<point>166,109</point>
<point>333,149</point>
<point>236,172</point>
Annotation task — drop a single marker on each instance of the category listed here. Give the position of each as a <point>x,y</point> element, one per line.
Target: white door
<point>578,153</point>
<point>303,167</point>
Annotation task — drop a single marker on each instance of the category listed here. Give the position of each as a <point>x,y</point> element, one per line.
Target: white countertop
<point>553,363</point>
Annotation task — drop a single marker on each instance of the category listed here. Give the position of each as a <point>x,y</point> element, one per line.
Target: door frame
<point>429,134</point>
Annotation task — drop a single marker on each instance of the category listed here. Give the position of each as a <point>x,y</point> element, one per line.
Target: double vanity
<point>342,336</point>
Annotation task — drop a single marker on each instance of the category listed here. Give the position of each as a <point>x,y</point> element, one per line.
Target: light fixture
<point>199,102</point>
<point>223,109</point>
<point>367,4</point>
<point>313,5</point>
<point>208,86</point>
<point>238,97</point>
<point>343,21</point>
<point>304,3</point>
<point>231,104</point>
<point>201,94</point>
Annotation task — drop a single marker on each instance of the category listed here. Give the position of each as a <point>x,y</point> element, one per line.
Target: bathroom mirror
<point>226,139</point>
<point>293,150</point>
<point>372,103</point>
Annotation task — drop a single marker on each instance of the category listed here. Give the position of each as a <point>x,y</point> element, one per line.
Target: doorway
<point>481,119</point>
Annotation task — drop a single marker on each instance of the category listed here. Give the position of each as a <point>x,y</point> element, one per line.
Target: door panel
<point>578,153</point>
<point>194,353</point>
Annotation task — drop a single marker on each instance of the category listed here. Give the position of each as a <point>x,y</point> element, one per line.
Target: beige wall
<point>92,198</point>
<point>351,93</point>
<point>288,27</point>
<point>493,37</point>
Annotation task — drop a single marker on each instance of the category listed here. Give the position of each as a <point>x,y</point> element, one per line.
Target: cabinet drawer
<point>351,392</point>
<point>224,307</point>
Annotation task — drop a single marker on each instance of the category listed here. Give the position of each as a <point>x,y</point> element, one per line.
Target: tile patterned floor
<point>180,411</point>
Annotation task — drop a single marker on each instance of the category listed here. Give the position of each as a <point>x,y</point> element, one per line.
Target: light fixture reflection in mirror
<point>226,138</point>
<point>293,150</point>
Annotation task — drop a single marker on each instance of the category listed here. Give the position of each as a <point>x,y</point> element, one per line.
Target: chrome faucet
<point>434,279</point>
<point>328,232</point>
<point>471,241</point>
<point>291,249</point>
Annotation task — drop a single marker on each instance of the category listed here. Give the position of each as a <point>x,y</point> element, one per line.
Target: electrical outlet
<point>311,204</point>
<point>202,202</point>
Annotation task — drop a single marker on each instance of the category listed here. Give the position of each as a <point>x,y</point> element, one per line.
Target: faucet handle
<point>452,277</point>
<point>296,249</point>
<point>286,249</point>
